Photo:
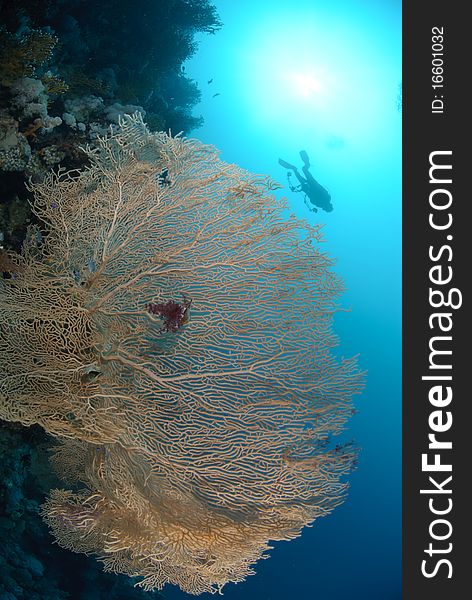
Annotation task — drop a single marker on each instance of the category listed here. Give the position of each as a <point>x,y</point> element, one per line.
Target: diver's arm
<point>311,208</point>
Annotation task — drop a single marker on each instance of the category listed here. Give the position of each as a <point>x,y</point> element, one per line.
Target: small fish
<point>215,95</point>
<point>210,81</point>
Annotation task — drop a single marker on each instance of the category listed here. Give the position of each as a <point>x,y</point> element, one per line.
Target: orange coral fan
<point>196,445</point>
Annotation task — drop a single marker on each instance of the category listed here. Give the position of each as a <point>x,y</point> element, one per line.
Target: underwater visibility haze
<point>177,341</point>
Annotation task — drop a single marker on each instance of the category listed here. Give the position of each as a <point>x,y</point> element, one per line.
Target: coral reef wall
<point>31,568</point>
<point>69,69</point>
<point>172,328</point>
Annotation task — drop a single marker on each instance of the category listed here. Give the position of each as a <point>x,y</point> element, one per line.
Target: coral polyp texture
<point>171,326</point>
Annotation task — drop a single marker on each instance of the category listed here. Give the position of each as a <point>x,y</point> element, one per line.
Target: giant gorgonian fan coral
<point>172,327</point>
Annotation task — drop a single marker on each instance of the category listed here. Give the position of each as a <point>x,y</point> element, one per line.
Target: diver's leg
<point>311,180</point>
<point>287,165</point>
<point>307,174</point>
<point>299,177</point>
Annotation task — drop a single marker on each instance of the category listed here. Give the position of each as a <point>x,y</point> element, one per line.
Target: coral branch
<point>178,339</point>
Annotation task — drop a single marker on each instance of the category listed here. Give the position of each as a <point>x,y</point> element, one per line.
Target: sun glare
<point>305,84</point>
<point>313,77</point>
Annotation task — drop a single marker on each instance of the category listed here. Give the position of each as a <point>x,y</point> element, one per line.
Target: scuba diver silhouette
<point>314,192</point>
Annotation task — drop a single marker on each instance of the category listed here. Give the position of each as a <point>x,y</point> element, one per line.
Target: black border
<point>423,133</point>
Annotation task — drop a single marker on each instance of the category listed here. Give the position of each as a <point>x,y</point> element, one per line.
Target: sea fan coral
<point>199,433</point>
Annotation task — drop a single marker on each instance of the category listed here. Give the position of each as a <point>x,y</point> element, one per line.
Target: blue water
<point>323,77</point>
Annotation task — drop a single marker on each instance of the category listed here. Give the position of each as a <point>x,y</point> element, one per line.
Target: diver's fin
<point>286,165</point>
<point>305,159</point>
